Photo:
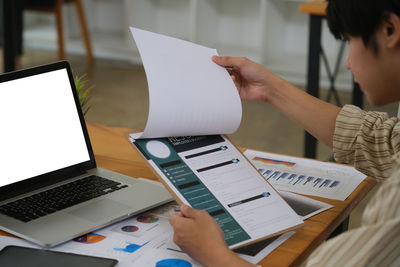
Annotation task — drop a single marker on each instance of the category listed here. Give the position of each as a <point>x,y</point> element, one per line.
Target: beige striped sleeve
<point>368,140</point>
<point>377,241</point>
<point>385,204</point>
<point>375,246</point>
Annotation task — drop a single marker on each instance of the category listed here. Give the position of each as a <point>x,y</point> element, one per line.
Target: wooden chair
<point>57,10</point>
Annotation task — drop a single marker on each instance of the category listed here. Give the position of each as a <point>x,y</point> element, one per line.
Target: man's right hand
<point>253,81</point>
<point>199,235</point>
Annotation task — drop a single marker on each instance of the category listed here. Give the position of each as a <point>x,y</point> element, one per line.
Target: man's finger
<point>229,62</point>
<point>177,218</point>
<point>173,218</point>
<point>188,211</point>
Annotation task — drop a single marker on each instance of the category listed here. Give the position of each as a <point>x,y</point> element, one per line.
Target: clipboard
<point>196,170</point>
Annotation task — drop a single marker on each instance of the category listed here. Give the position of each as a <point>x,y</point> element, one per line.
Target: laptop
<point>50,188</point>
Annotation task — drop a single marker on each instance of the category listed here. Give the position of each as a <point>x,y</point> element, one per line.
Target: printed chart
<point>306,176</point>
<point>90,238</point>
<point>147,218</point>
<point>142,240</point>
<point>117,243</point>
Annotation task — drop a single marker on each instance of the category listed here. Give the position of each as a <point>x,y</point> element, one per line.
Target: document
<point>210,173</point>
<point>306,176</point>
<point>143,240</point>
<point>188,93</point>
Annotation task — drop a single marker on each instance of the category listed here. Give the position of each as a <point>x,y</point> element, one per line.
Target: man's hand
<point>199,235</point>
<point>253,81</point>
<point>256,83</point>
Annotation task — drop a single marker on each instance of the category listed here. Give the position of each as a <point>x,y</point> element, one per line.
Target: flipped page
<point>192,97</point>
<point>188,93</point>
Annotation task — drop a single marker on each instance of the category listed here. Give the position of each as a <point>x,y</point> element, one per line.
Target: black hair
<point>359,18</point>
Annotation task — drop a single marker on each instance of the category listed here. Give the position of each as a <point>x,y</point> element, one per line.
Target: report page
<point>210,173</point>
<point>306,176</point>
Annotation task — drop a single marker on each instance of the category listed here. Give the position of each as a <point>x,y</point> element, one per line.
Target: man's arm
<point>256,83</point>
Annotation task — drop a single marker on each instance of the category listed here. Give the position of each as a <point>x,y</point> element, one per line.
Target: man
<point>369,140</point>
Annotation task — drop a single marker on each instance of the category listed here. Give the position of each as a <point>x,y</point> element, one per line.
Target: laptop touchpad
<point>100,210</point>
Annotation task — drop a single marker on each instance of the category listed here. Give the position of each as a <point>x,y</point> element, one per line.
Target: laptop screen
<point>41,131</point>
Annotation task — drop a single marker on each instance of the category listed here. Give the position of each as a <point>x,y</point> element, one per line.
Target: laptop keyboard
<point>58,198</point>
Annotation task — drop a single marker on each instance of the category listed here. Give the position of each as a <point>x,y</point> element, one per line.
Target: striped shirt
<point>371,142</point>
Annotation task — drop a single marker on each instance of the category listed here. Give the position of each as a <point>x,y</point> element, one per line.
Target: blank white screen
<point>40,128</point>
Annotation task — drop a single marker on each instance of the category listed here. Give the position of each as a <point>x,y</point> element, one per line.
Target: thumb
<point>228,62</point>
<point>188,212</point>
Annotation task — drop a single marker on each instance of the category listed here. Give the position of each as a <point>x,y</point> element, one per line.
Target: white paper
<point>139,241</point>
<point>306,176</point>
<point>189,94</point>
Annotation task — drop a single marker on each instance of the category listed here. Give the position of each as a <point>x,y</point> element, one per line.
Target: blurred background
<point>271,32</point>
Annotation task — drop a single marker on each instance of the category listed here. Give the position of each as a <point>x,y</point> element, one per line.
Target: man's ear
<point>391,30</point>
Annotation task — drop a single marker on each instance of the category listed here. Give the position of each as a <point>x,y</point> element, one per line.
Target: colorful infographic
<point>130,228</point>
<point>275,161</point>
<point>89,238</point>
<point>173,263</point>
<point>130,248</point>
<point>147,218</point>
<point>306,176</point>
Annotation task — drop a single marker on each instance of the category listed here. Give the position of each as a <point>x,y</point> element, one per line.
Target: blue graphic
<point>173,263</point>
<point>291,177</point>
<point>325,183</point>
<point>130,248</point>
<point>334,184</point>
<point>266,194</point>
<point>266,173</point>
<point>317,181</point>
<point>309,179</point>
<point>283,176</point>
<point>275,174</point>
<point>299,179</point>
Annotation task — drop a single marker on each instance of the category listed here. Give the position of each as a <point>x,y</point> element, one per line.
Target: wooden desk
<point>113,151</point>
<point>314,7</point>
<point>317,11</point>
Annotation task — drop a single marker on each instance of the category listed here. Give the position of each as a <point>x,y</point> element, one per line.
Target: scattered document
<point>306,176</point>
<point>210,173</point>
<point>305,207</point>
<point>188,93</point>
<point>254,253</point>
<point>142,240</point>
